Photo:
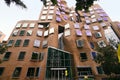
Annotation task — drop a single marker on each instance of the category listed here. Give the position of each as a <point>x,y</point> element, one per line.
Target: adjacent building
<point>2,36</point>
<point>58,46</point>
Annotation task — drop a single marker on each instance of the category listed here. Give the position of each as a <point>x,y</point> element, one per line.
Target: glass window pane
<point>25,25</point>
<point>18,42</point>
<point>46,33</point>
<point>15,32</point>
<point>39,33</point>
<point>21,55</point>
<point>26,42</point>
<point>18,25</point>
<point>29,32</point>
<point>22,32</point>
<point>7,56</point>
<point>45,44</point>
<point>16,72</point>
<point>1,70</point>
<point>10,43</point>
<point>67,26</point>
<point>67,32</point>
<point>36,43</point>
<point>32,25</point>
<point>51,30</point>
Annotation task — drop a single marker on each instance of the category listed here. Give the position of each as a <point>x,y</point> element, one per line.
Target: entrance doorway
<point>58,74</point>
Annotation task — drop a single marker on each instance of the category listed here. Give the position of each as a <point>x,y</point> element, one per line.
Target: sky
<point>9,16</point>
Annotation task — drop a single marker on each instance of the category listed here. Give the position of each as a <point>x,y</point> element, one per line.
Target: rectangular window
<point>33,72</point>
<point>99,19</point>
<point>103,24</point>
<point>92,45</point>
<point>43,17</point>
<point>67,26</point>
<point>94,20</point>
<point>6,56</point>
<point>93,16</point>
<point>18,42</point>
<point>83,71</point>
<point>46,8</point>
<point>18,25</point>
<point>29,32</point>
<point>45,33</point>
<point>41,56</point>
<point>37,43</point>
<point>45,44</point>
<point>40,26</point>
<point>22,32</point>
<point>44,12</point>
<point>88,33</point>
<point>101,43</point>
<point>39,33</point>
<point>67,32</point>
<point>86,26</point>
<point>58,19</point>
<point>100,70</point>
<point>83,56</point>
<point>15,32</point>
<point>26,42</point>
<point>50,17</point>
<point>25,25</point>
<point>1,70</point>
<point>51,30</point>
<point>52,7</point>
<point>95,28</point>
<point>93,54</point>
<point>35,56</point>
<point>10,43</point>
<point>87,21</point>
<point>32,25</point>
<point>51,11</point>
<point>98,35</point>
<point>76,25</point>
<point>80,43</point>
<point>21,55</point>
<point>17,72</point>
<point>78,33</point>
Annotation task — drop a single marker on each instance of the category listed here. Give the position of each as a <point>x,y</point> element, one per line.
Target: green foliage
<point>84,4</point>
<point>107,57</point>
<point>3,48</point>
<point>17,2</point>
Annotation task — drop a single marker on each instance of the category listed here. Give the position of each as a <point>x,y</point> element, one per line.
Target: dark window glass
<point>1,70</point>
<point>83,56</point>
<point>22,32</point>
<point>80,43</point>
<point>84,71</point>
<point>30,72</point>
<point>33,72</point>
<point>26,42</point>
<point>21,56</point>
<point>100,70</point>
<point>35,56</point>
<point>7,56</point>
<point>93,55</point>
<point>18,42</point>
<point>37,72</point>
<point>16,72</point>
<point>92,45</point>
<point>10,43</point>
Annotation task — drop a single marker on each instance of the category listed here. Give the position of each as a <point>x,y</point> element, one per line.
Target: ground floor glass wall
<point>59,65</point>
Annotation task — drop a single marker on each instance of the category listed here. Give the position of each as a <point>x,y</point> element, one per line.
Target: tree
<point>17,2</point>
<point>3,48</point>
<point>107,57</point>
